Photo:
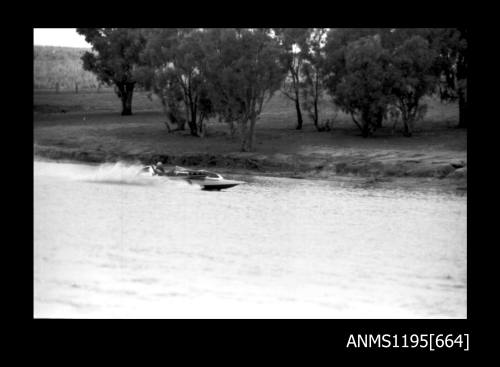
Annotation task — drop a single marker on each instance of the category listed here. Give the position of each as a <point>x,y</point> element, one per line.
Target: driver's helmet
<point>159,164</point>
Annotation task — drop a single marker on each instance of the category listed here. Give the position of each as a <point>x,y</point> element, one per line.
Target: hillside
<point>63,66</point>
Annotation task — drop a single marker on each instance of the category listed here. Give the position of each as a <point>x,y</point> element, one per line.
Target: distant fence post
<point>76,87</point>
<point>57,87</point>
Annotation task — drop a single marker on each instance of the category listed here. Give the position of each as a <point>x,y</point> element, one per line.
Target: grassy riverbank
<point>88,127</point>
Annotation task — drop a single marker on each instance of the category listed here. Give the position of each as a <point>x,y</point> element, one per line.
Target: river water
<point>108,243</point>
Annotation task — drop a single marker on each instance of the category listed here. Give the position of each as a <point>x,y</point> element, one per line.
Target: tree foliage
<point>115,55</point>
<point>371,71</point>
<point>171,70</point>
<point>198,73</point>
<point>293,42</point>
<point>412,79</point>
<point>451,66</point>
<point>242,70</point>
<point>313,71</point>
<point>359,81</point>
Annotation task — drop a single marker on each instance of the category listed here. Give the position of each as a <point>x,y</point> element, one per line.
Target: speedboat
<point>206,179</point>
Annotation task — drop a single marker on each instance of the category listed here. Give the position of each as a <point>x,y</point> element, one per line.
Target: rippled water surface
<point>108,243</point>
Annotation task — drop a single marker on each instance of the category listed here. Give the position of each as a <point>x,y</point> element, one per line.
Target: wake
<point>121,173</point>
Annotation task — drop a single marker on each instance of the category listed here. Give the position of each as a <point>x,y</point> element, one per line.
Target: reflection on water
<point>110,244</point>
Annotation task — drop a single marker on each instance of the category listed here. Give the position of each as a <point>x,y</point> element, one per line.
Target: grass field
<point>88,126</point>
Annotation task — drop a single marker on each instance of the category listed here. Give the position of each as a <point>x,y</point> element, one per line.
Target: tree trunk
<point>299,112</point>
<point>181,125</point>
<point>356,122</point>
<point>251,133</point>
<point>126,91</point>
<point>366,129</point>
<point>379,119</point>
<point>167,114</point>
<point>232,128</point>
<point>408,129</point>
<point>193,126</point>
<point>462,110</point>
<point>316,118</point>
<point>365,120</point>
<point>191,116</point>
<point>462,82</point>
<point>200,127</point>
<point>244,136</point>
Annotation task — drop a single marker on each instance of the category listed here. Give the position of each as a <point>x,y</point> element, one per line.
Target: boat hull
<point>210,185</point>
<point>218,187</point>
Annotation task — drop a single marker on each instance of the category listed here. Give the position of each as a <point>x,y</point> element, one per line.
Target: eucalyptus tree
<point>374,70</point>
<point>411,79</point>
<point>171,70</point>
<point>313,72</point>
<point>451,67</point>
<point>243,70</point>
<point>359,79</point>
<point>114,56</point>
<point>294,45</point>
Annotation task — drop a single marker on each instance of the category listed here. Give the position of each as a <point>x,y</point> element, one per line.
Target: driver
<point>159,168</point>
